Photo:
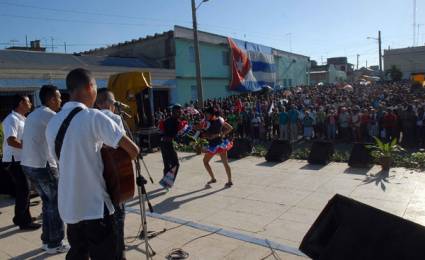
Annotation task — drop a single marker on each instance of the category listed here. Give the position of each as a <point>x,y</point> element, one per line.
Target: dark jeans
<point>95,238</point>
<point>45,181</point>
<point>22,199</point>
<point>169,157</point>
<point>119,222</point>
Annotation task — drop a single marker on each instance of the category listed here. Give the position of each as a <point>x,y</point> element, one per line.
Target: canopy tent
<point>125,87</point>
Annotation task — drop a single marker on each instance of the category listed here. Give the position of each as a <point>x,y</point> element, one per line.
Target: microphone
<point>122,105</point>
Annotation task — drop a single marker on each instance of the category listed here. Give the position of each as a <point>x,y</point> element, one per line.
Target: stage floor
<point>278,202</point>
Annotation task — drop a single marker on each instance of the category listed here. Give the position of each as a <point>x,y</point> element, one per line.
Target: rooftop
<point>18,59</point>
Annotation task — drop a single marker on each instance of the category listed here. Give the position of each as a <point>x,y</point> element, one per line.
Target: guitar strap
<point>62,130</point>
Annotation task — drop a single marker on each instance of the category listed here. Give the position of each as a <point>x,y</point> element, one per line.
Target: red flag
<point>240,65</point>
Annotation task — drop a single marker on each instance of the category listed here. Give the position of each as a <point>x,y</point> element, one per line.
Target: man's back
<point>35,151</point>
<point>82,191</point>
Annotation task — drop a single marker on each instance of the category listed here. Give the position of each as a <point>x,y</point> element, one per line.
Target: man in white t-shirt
<point>13,128</point>
<point>41,169</point>
<point>105,101</point>
<point>83,201</point>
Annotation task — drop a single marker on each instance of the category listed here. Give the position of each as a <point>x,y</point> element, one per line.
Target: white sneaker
<point>58,250</point>
<point>44,247</point>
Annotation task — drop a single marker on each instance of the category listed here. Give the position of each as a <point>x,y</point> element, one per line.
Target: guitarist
<point>83,201</point>
<point>105,102</point>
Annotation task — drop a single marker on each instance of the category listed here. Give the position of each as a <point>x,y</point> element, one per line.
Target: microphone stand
<point>143,198</point>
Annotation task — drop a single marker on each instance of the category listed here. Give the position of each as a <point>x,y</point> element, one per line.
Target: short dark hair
<point>46,93</point>
<point>102,96</point>
<point>78,78</point>
<point>17,100</point>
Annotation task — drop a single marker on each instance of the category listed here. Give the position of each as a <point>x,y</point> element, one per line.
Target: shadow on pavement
<point>170,203</point>
<point>36,254</point>
<point>358,171</point>
<point>268,164</point>
<point>312,167</point>
<point>380,179</point>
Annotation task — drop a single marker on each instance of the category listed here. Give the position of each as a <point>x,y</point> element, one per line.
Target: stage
<point>277,202</point>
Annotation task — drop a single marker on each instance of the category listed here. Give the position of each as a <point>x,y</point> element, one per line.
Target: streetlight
<point>197,56</point>
<point>380,50</point>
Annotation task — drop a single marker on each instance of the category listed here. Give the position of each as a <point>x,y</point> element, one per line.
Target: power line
<point>84,12</point>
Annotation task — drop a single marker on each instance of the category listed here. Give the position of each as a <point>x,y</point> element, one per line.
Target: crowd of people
<point>336,112</point>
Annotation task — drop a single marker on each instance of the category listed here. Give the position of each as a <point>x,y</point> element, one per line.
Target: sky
<point>315,28</point>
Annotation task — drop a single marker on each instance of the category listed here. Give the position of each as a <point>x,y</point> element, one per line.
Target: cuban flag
<point>252,66</point>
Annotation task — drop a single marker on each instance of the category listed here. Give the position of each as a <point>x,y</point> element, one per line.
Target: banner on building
<point>252,66</point>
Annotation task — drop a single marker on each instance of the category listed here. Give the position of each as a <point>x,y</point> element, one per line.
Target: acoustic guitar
<point>118,173</point>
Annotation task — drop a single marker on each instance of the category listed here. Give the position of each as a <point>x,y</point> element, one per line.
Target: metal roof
<point>11,59</point>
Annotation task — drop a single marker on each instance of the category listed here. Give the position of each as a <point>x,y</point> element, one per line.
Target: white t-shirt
<point>13,125</point>
<point>82,191</point>
<point>116,118</point>
<point>35,152</point>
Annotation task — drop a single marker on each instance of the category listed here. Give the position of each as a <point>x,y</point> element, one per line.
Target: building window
<point>194,93</point>
<point>290,82</point>
<point>225,57</point>
<point>191,54</point>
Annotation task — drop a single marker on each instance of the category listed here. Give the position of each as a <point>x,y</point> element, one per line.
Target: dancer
<point>171,128</point>
<point>216,129</point>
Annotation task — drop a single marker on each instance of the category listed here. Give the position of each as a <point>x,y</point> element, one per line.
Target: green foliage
<point>259,150</point>
<point>300,154</point>
<point>340,156</point>
<point>381,149</point>
<point>394,73</point>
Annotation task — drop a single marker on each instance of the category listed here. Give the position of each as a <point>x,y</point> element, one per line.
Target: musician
<point>13,129</point>
<point>105,101</point>
<point>171,128</point>
<point>41,168</point>
<point>84,204</point>
<point>216,130</point>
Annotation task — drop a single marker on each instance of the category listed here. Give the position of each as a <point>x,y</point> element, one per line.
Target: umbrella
<point>348,87</point>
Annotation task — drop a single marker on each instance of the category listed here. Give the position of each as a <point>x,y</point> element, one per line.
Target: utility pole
<point>414,23</point>
<point>64,45</point>
<point>53,48</point>
<point>358,56</point>
<point>26,41</point>
<point>197,58</point>
<point>380,52</point>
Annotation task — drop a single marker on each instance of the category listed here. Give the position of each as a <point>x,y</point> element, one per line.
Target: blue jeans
<point>45,181</point>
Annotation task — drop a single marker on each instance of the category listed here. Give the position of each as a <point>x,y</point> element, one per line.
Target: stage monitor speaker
<point>279,151</point>
<point>347,229</point>
<point>360,156</point>
<point>242,147</point>
<point>144,108</point>
<point>321,152</point>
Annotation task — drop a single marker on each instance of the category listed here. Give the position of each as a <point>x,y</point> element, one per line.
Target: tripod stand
<point>141,190</point>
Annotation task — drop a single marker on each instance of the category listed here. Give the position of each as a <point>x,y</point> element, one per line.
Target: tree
<point>394,73</point>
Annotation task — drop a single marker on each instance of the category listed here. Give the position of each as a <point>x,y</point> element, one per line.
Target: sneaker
<point>58,250</point>
<point>44,247</point>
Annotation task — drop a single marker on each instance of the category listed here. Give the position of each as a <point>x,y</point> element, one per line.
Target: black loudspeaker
<point>7,186</point>
<point>360,156</point>
<point>144,108</point>
<point>321,152</point>
<point>279,151</point>
<point>241,147</point>
<point>350,230</point>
